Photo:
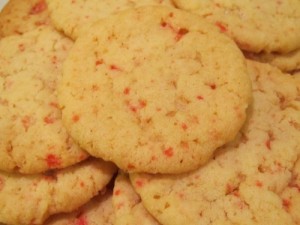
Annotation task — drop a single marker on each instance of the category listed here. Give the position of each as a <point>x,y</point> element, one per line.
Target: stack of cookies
<point>156,112</point>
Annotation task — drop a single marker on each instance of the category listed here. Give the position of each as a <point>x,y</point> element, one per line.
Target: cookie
<point>98,210</point>
<point>244,182</point>
<point>72,17</point>
<point>256,26</point>
<point>32,136</point>
<point>286,62</point>
<point>155,93</point>
<point>20,16</point>
<point>291,195</point>
<point>30,199</point>
<point>127,204</point>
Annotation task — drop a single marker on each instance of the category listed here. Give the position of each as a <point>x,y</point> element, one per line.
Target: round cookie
<point>127,204</point>
<point>98,210</point>
<point>256,26</point>
<point>73,17</point>
<point>244,182</point>
<point>20,16</point>
<point>151,94</point>
<point>30,199</point>
<point>32,136</point>
<point>286,62</point>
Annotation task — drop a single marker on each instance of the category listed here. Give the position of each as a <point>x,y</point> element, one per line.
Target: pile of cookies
<point>150,112</point>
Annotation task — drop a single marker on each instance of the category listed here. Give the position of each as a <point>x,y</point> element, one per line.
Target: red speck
<point>153,158</point>
<point>26,122</point>
<point>49,119</point>
<point>163,23</point>
<point>142,103</point>
<point>81,221</point>
<point>139,183</point>
<point>229,188</point>
<point>181,32</point>
<point>199,97</point>
<point>130,166</point>
<point>133,109</point>
<point>171,14</point>
<point>286,203</point>
<point>259,183</point>
<point>54,104</point>
<point>184,126</point>
<point>117,192</point>
<point>126,91</point>
<point>184,144</point>
<point>212,86</point>
<point>268,144</point>
<point>270,139</point>
<point>82,184</point>
<point>75,118</point>
<point>169,152</point>
<point>54,59</point>
<point>38,8</point>
<point>114,67</point>
<point>222,27</point>
<point>236,193</point>
<point>99,62</point>
<point>21,47</point>
<point>95,87</point>
<point>1,183</point>
<point>53,161</point>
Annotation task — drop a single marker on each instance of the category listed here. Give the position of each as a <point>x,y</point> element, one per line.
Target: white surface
<point>2,3</point>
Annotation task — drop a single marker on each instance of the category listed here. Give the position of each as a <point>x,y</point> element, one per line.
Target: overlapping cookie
<point>256,26</point>
<point>288,62</point>
<point>127,204</point>
<point>250,181</point>
<point>155,93</point>
<point>30,199</point>
<point>20,16</point>
<point>32,137</point>
<point>73,17</point>
<point>98,210</point>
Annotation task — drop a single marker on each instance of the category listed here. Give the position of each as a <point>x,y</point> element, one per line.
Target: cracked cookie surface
<point>30,199</point>
<point>156,93</point>
<point>32,136</point>
<point>252,180</point>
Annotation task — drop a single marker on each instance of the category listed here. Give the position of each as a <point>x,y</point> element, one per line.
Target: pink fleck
<point>222,26</point>
<point>139,183</point>
<point>26,122</point>
<point>270,139</point>
<point>54,104</point>
<point>126,91</point>
<point>82,184</point>
<point>53,161</point>
<point>199,97</point>
<point>180,33</point>
<point>21,47</point>
<point>38,8</point>
<point>212,86</point>
<point>75,118</point>
<point>142,103</point>
<point>171,14</point>
<point>153,158</point>
<point>49,119</point>
<point>117,192</point>
<point>169,152</point>
<point>114,67</point>
<point>259,183</point>
<point>81,221</point>
<point>184,126</point>
<point>130,166</point>
<point>99,62</point>
<point>286,203</point>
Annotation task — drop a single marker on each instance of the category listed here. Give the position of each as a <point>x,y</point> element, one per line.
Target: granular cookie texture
<point>20,16</point>
<point>156,93</point>
<point>73,17</point>
<point>127,204</point>
<point>268,26</point>
<point>252,180</point>
<point>288,62</point>
<point>32,137</point>
<point>30,199</point>
<point>98,210</point>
